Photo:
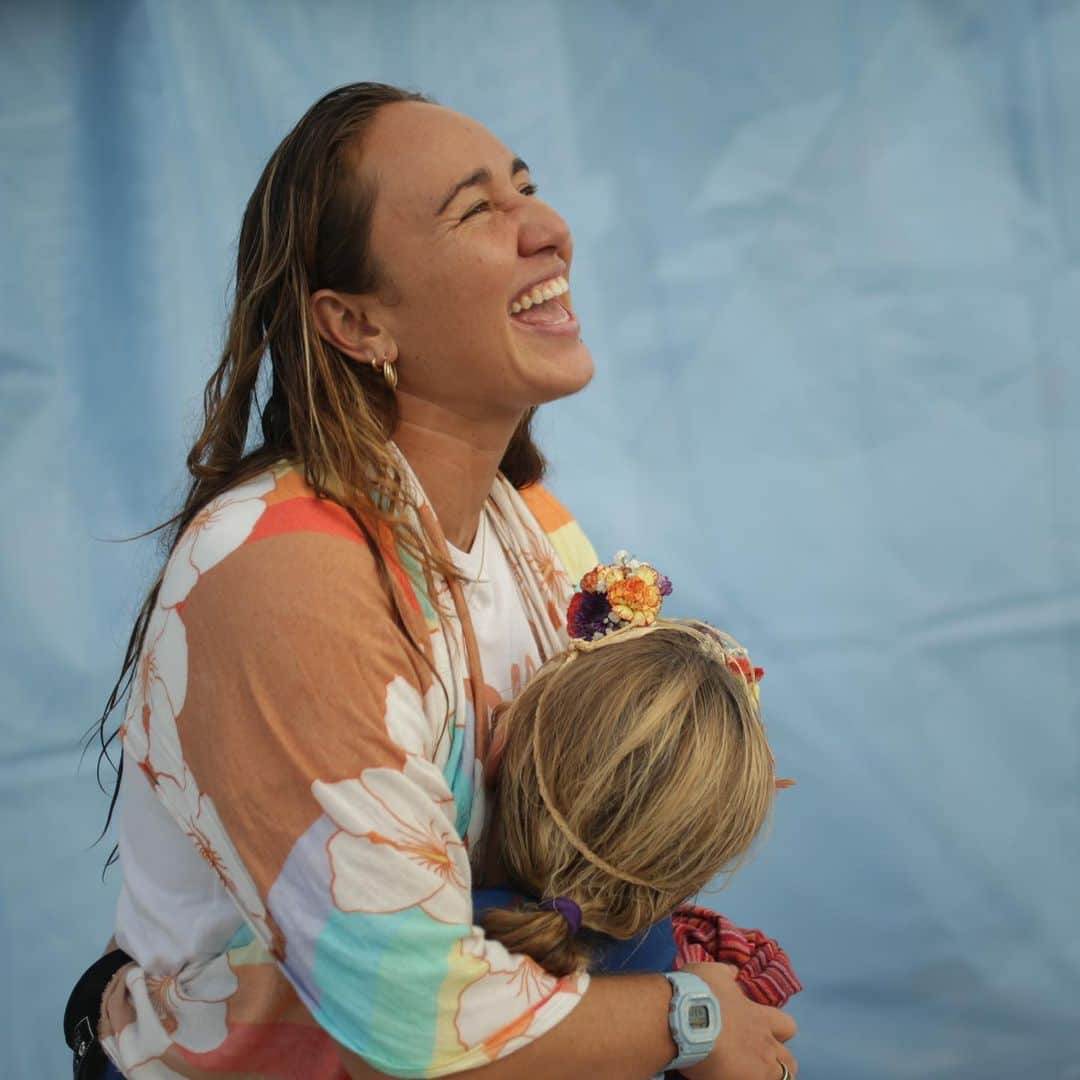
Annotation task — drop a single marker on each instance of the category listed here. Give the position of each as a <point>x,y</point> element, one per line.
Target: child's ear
<point>496,745</point>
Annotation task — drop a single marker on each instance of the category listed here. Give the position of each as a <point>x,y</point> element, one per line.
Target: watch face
<point>694,1018</point>
<point>699,1016</point>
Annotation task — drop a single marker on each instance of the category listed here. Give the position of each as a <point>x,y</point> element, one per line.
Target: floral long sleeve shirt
<point>329,772</point>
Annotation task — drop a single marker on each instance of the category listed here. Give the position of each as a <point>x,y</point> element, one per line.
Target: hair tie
<point>567,908</point>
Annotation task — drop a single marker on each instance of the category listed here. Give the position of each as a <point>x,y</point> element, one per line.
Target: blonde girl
<point>629,773</point>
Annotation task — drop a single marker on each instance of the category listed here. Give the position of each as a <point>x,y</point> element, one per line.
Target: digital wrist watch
<point>693,1020</point>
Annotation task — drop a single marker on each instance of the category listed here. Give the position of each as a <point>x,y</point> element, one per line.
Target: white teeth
<point>547,290</point>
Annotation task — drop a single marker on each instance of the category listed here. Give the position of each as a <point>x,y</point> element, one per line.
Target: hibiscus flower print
<point>393,849</point>
<point>505,998</point>
<point>216,531</point>
<point>157,695</point>
<point>191,1010</point>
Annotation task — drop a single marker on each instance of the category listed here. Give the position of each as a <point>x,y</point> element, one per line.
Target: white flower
<point>189,1009</point>
<point>409,715</point>
<point>394,848</point>
<point>513,987</point>
<point>216,531</point>
<point>543,1020</point>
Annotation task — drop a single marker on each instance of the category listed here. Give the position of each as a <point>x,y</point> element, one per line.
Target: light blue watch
<point>693,1019</point>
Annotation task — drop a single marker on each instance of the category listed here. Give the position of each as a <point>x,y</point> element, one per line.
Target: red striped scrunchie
<point>765,972</point>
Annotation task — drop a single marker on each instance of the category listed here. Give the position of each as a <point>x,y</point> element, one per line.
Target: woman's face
<point>460,236</point>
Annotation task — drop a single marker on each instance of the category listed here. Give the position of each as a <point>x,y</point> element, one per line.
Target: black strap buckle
<point>86,1064</point>
<point>81,1015</point>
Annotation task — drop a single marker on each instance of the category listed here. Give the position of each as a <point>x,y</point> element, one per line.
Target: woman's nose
<point>543,229</point>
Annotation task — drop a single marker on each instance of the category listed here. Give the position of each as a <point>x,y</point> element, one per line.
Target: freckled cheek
<point>474,299</point>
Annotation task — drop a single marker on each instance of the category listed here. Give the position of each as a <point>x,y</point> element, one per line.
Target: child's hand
<point>752,1037</point>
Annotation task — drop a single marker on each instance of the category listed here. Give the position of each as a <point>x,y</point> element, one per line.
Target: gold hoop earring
<point>389,373</point>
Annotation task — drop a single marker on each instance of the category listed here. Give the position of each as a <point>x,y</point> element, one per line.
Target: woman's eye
<point>528,189</point>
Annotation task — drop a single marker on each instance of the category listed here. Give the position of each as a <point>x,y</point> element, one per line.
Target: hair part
<point>307,226</point>
<point>633,773</point>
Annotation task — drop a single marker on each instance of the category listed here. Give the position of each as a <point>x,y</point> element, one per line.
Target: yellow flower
<point>647,574</point>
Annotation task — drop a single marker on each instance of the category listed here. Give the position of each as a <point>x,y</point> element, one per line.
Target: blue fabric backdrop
<point>828,260</point>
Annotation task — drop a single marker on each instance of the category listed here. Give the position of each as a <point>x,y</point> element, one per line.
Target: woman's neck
<point>455,460</point>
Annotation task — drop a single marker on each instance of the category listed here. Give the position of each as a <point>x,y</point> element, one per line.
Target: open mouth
<point>543,307</point>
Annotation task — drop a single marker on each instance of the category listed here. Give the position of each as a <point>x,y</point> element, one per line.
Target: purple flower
<point>664,585</point>
<point>587,615</point>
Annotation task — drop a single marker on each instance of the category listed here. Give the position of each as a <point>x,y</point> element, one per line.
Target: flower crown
<point>625,593</point>
<point>628,593</point>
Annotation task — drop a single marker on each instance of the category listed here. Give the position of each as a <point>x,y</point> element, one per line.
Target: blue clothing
<point>651,950</point>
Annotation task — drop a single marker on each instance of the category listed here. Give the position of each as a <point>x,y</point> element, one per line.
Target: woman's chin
<point>558,372</point>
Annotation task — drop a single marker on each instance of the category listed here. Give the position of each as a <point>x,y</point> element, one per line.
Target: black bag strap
<point>82,1012</point>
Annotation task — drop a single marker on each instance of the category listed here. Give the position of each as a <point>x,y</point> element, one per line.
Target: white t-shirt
<point>172,907</point>
<point>508,652</point>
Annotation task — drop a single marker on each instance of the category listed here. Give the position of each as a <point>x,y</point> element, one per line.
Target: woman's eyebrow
<point>477,177</point>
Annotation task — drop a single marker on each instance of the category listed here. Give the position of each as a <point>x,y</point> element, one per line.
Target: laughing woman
<point>313,674</point>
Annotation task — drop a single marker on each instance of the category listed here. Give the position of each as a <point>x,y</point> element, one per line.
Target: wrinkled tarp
<point>827,261</point>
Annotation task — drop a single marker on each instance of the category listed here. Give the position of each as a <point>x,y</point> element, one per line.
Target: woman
<point>312,676</point>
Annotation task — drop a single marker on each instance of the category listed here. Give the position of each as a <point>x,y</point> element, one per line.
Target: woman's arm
<point>620,1030</point>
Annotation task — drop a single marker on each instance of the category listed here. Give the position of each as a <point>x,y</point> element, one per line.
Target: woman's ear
<point>344,321</point>
<point>496,745</point>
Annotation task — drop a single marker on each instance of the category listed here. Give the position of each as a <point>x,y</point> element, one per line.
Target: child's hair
<point>634,770</point>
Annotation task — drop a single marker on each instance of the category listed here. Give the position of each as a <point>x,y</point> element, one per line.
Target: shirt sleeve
<point>292,730</point>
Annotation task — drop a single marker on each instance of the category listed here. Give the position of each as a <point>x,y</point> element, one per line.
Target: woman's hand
<point>752,1037</point>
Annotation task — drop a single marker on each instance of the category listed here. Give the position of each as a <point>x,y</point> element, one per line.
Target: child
<point>629,772</point>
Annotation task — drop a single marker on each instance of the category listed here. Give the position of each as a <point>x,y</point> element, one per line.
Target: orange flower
<point>634,601</point>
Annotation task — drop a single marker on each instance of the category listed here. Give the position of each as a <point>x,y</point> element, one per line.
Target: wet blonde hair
<point>634,770</point>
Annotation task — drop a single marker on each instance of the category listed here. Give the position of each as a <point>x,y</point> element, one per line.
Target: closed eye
<point>528,189</point>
